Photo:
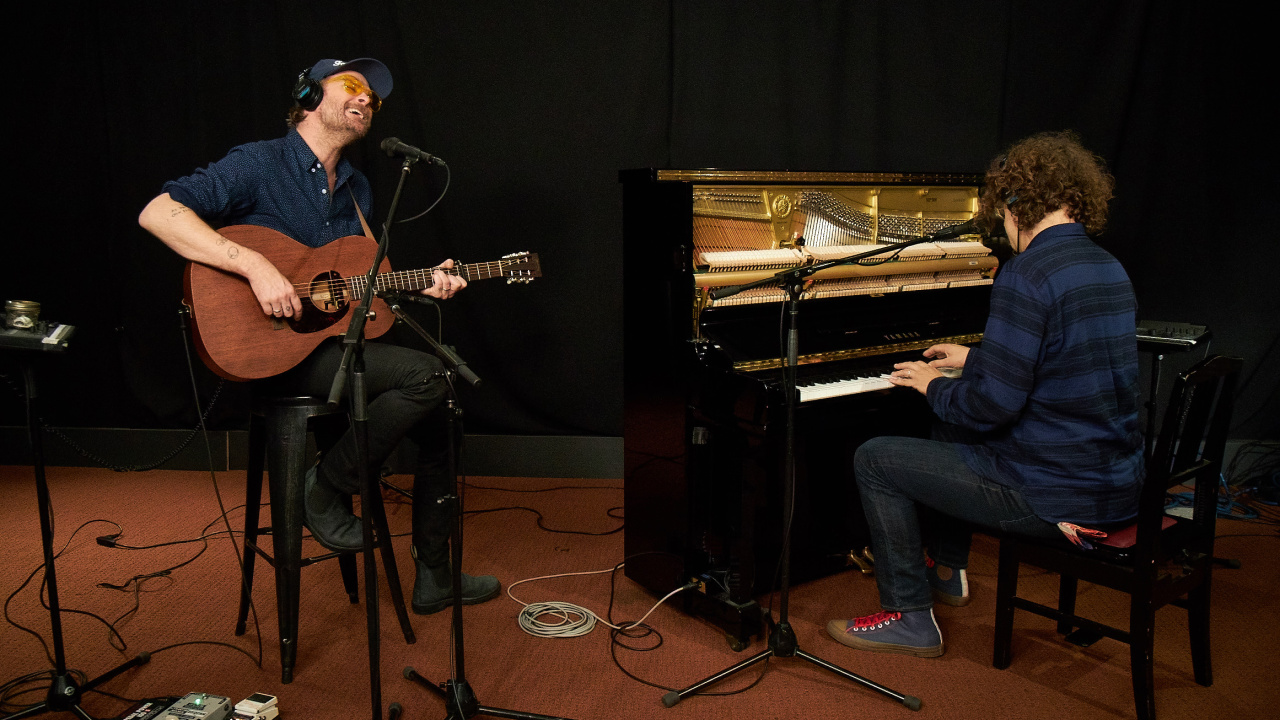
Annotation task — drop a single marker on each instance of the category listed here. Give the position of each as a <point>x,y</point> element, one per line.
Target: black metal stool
<point>278,440</point>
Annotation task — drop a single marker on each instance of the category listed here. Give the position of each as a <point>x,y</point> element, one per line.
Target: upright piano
<point>704,413</point>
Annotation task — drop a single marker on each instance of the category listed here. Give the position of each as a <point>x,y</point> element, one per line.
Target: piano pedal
<point>864,561</point>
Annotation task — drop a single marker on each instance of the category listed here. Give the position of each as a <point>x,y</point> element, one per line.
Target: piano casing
<point>704,412</point>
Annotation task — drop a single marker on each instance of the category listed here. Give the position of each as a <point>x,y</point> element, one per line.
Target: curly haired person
<point>1042,425</point>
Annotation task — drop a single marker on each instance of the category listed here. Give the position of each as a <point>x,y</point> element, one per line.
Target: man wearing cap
<point>302,186</point>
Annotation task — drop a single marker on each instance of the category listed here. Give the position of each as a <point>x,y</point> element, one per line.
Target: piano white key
<point>842,388</point>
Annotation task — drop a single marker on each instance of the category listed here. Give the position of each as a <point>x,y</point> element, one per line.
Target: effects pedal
<point>258,706</point>
<point>149,709</point>
<point>198,706</point>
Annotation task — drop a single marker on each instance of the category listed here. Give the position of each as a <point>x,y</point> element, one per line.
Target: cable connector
<point>109,541</point>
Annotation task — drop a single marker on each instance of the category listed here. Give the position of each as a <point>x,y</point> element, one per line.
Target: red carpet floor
<point>574,678</point>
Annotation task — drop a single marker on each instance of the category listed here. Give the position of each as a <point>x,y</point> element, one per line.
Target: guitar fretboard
<point>408,280</point>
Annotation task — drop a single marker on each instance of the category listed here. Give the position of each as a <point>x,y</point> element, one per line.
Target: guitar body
<point>239,342</point>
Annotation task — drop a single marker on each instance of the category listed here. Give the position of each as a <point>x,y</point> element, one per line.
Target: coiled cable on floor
<point>570,620</point>
<point>567,619</point>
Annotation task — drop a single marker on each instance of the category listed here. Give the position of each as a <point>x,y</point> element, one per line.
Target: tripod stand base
<point>782,643</point>
<point>462,703</point>
<point>64,695</point>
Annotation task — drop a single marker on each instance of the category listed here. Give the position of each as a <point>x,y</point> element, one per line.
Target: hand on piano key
<point>916,374</point>
<point>947,355</point>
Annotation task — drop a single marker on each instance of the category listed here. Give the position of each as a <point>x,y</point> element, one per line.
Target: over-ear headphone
<point>307,93</point>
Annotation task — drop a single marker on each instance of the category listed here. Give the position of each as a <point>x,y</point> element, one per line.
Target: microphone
<point>393,147</point>
<point>974,226</point>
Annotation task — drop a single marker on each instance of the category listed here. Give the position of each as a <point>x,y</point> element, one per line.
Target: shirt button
<point>324,192</point>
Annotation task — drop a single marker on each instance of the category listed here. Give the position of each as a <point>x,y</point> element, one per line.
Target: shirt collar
<point>304,159</point>
<point>1072,228</point>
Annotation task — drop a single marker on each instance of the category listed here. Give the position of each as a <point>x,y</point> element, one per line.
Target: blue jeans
<point>405,389</point>
<point>899,476</point>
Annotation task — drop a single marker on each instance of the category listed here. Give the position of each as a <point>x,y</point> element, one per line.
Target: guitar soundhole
<point>324,304</point>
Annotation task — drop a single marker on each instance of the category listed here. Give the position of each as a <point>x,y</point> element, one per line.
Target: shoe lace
<point>875,619</point>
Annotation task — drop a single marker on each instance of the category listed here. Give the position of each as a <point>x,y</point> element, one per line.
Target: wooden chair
<point>1159,558</point>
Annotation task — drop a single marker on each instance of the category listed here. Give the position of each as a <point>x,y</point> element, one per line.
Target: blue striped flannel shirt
<point>1053,389</point>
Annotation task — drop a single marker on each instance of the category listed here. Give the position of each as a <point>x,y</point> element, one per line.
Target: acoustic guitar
<point>239,342</point>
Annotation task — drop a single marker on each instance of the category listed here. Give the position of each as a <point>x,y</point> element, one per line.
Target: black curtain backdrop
<point>536,106</point>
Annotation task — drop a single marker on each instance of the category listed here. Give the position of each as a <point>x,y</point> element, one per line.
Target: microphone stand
<point>460,701</point>
<point>782,639</point>
<point>64,693</point>
<point>352,368</point>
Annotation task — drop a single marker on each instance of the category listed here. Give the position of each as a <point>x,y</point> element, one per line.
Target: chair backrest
<point>1191,446</point>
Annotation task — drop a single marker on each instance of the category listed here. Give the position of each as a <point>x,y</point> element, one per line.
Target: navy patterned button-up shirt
<point>1054,387</point>
<point>278,184</point>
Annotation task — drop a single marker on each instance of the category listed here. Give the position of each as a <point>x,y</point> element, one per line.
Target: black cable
<point>31,576</point>
<point>217,492</point>
<point>464,484</point>
<point>543,526</point>
<point>40,681</point>
<point>643,630</point>
<point>136,582</point>
<point>448,178</point>
<point>182,445</point>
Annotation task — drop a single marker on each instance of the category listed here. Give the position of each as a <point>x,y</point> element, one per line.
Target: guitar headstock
<point>521,267</point>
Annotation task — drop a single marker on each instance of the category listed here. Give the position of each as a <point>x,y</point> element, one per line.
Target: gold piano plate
<point>768,217</point>
<point>892,348</point>
<point>747,225</point>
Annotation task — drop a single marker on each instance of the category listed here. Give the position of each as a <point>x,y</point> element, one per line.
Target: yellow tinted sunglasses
<point>354,87</point>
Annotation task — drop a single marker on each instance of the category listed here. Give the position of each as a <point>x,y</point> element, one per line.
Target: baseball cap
<point>375,72</point>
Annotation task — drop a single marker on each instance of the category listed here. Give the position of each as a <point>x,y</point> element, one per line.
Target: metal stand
<point>782,639</point>
<point>64,694</point>
<point>352,369</point>
<point>460,701</point>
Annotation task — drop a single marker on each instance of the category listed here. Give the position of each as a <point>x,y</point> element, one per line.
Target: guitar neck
<point>409,280</point>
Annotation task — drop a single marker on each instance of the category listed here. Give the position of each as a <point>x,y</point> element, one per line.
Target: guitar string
<point>481,271</point>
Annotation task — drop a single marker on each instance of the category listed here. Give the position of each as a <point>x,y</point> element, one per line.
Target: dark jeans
<point>405,388</point>
<point>896,475</point>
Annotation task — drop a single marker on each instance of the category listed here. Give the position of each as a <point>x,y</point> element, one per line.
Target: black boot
<point>330,522</point>
<point>433,587</point>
